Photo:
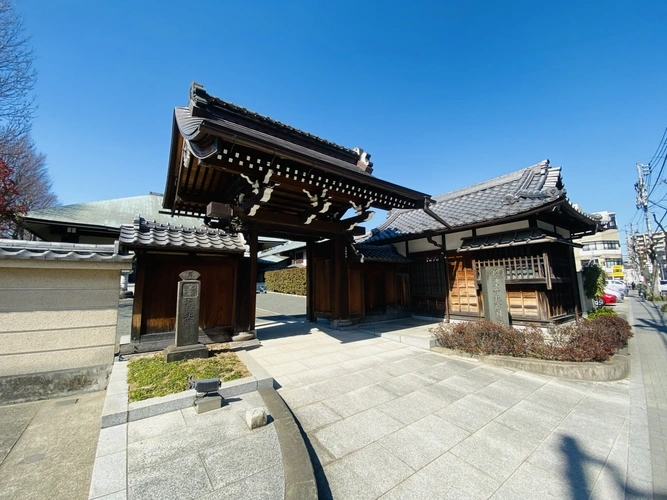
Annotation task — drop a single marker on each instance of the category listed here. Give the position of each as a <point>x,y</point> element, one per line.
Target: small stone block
<point>256,417</point>
<point>208,403</point>
<point>244,336</point>
<point>178,353</point>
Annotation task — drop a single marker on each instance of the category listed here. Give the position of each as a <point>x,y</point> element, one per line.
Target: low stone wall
<point>57,326</point>
<point>617,368</point>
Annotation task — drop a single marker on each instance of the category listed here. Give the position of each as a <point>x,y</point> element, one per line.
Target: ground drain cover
<point>34,458</point>
<point>67,402</point>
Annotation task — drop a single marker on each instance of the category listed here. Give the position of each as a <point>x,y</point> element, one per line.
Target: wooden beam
<point>337,184</point>
<point>294,221</point>
<point>261,197</point>
<point>352,222</point>
<point>320,203</point>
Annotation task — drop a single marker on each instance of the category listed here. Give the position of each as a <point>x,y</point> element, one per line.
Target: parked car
<point>605,299</point>
<point>615,292</point>
<point>620,284</point>
<point>662,286</point>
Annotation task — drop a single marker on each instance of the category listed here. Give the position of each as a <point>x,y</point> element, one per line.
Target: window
<point>601,245</point>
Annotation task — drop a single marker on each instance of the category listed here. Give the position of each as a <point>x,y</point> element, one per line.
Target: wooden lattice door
<point>463,297</point>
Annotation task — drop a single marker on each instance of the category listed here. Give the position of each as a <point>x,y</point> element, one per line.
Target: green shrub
<point>291,280</point>
<point>601,312</point>
<point>594,280</point>
<point>663,308</point>
<point>587,340</point>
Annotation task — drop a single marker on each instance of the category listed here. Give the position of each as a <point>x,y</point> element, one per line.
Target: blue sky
<point>442,94</point>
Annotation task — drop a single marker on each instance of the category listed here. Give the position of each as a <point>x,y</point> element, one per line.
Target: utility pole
<point>642,203</point>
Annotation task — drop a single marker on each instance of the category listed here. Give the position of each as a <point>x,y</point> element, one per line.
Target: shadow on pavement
<point>577,459</point>
<point>287,326</point>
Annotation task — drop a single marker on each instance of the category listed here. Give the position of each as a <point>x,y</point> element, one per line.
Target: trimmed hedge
<point>291,280</point>
<point>586,340</point>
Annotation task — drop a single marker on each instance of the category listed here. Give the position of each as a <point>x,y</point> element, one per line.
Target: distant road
<point>278,303</point>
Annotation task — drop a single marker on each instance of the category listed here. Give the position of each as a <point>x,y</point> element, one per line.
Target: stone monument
<point>187,320</point>
<point>495,295</point>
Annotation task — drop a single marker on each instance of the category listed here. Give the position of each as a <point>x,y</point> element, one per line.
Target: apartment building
<point>602,248</point>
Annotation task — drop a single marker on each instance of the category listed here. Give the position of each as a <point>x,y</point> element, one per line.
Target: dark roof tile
<point>499,198</point>
<point>48,250</point>
<point>383,253</point>
<point>144,233</point>
<point>511,238</point>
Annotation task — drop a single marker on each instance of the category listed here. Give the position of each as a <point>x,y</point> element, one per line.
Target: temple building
<point>521,221</point>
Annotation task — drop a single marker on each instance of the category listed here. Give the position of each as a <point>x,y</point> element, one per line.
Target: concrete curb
<point>118,410</point>
<point>300,481</point>
<point>617,368</point>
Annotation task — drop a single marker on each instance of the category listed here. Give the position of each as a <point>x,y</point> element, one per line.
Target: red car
<point>605,299</point>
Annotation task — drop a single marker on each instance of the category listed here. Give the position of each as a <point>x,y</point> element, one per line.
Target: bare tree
<point>17,80</point>
<point>27,184</point>
<point>32,183</point>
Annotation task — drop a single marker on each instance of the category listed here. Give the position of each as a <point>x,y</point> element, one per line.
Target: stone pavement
<point>47,448</point>
<point>649,376</point>
<point>185,455</point>
<point>388,420</point>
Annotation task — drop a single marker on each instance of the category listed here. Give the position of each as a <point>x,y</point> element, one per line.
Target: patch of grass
<point>663,308</point>
<point>601,312</point>
<point>151,376</point>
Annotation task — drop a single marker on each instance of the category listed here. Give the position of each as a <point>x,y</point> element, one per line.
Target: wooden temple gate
<point>243,173</point>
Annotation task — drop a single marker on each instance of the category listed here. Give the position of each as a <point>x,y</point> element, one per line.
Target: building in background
<point>640,247</point>
<point>603,247</point>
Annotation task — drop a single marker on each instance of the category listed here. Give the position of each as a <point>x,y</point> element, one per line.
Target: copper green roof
<point>111,213</point>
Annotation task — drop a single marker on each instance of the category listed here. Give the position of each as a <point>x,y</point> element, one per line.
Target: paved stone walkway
<point>649,379</point>
<point>47,448</point>
<point>388,420</point>
<point>183,455</point>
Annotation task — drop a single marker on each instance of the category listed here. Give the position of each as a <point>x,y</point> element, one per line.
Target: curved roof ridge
<point>501,179</point>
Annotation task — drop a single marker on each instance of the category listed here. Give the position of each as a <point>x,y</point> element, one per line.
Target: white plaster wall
<point>55,318</point>
<point>563,232</point>
<point>454,239</point>
<point>400,248</point>
<point>423,245</point>
<point>501,228</point>
<point>546,226</point>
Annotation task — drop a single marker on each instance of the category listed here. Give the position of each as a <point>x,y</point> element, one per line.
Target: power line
<point>661,145</point>
<point>662,167</point>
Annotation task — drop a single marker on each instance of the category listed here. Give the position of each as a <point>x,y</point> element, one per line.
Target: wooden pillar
<point>253,278</point>
<point>341,305</point>
<point>246,289</point>
<point>575,283</point>
<point>447,278</point>
<point>310,289</point>
<point>137,305</point>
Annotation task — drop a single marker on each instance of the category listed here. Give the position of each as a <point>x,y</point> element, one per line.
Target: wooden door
<point>356,292</point>
<point>462,290</point>
<point>374,290</point>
